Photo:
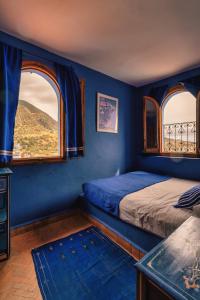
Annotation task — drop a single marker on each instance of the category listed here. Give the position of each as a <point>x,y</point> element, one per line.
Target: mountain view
<point>36,133</point>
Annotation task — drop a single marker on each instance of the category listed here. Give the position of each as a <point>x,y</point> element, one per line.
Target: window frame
<point>198,124</point>
<point>175,89</point>
<point>146,149</point>
<point>33,65</point>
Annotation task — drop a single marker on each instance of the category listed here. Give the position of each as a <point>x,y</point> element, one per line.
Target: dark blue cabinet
<point>5,213</point>
<point>172,269</point>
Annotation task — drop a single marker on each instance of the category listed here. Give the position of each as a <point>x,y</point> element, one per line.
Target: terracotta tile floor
<point>17,275</point>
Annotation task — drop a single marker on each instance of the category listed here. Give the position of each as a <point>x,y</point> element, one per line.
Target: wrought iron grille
<point>179,137</point>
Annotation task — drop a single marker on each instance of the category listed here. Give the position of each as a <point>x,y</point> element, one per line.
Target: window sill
<point>168,154</point>
<point>33,161</point>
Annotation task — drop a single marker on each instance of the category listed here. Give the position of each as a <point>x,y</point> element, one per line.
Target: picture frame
<point>107,113</point>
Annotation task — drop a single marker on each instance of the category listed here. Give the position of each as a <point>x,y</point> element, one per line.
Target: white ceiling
<point>136,41</point>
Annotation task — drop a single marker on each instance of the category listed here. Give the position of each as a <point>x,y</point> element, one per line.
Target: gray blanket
<point>152,207</point>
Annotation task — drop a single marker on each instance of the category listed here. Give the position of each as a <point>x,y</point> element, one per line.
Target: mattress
<point>152,208</point>
<point>107,193</point>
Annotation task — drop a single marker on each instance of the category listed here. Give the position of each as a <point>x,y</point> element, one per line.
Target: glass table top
<point>175,263</point>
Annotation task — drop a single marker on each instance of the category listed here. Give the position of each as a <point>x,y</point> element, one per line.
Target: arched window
<point>39,118</point>
<point>179,123</point>
<point>173,127</point>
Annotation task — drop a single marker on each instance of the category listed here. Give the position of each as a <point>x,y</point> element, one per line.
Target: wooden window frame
<point>198,125</point>
<point>82,86</point>
<point>146,149</point>
<point>32,65</point>
<point>27,65</point>
<point>176,89</point>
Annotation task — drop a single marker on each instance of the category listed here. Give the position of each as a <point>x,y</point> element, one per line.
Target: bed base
<point>116,238</point>
<point>134,240</point>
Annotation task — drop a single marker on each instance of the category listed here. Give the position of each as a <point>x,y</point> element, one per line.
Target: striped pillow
<point>190,198</point>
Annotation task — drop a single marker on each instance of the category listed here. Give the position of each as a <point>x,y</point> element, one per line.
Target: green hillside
<point>36,133</point>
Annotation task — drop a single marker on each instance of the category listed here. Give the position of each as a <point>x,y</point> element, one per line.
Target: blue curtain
<point>158,93</point>
<point>71,92</point>
<point>10,72</point>
<point>192,85</point>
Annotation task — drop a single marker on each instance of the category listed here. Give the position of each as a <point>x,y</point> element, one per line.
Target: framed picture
<point>107,113</point>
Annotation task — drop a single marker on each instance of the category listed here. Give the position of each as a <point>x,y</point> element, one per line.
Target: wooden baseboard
<point>128,247</point>
<point>47,220</point>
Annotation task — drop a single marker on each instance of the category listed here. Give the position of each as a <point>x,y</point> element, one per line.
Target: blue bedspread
<point>108,192</point>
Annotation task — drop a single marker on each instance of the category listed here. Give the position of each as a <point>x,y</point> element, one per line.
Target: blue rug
<point>85,266</point>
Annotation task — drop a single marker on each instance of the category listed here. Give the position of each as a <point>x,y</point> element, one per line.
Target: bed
<point>142,199</point>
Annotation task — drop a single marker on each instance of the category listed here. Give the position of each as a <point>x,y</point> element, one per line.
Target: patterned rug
<point>85,266</point>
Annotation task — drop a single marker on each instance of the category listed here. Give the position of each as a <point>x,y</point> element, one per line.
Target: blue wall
<point>179,167</point>
<point>41,190</point>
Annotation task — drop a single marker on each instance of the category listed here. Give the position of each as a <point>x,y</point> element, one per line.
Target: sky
<point>180,108</point>
<point>39,92</point>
